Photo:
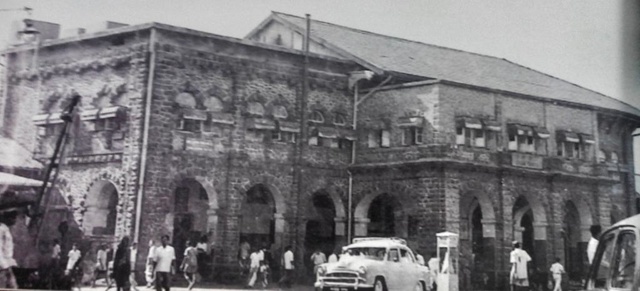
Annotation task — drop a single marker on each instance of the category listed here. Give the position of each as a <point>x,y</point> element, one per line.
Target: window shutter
<point>372,139</point>
<point>385,138</point>
<point>419,135</point>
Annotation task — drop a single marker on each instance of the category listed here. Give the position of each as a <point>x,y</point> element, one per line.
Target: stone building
<point>191,134</point>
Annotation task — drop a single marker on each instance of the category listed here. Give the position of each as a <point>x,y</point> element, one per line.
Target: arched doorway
<point>257,225</point>
<point>383,216</point>
<point>523,226</point>
<point>572,232</point>
<point>101,214</point>
<point>191,203</point>
<point>320,227</point>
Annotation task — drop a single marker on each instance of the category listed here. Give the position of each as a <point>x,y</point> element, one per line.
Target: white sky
<point>579,40</point>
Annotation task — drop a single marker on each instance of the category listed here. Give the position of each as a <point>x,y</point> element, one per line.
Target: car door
<point>394,270</point>
<point>410,271</point>
<point>614,266</point>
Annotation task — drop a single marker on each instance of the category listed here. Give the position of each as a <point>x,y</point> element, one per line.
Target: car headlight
<point>362,271</point>
<point>322,270</point>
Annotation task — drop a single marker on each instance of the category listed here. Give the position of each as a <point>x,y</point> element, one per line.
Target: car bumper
<point>332,286</point>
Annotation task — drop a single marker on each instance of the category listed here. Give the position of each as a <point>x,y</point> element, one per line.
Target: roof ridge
<point>569,82</point>
<point>389,36</point>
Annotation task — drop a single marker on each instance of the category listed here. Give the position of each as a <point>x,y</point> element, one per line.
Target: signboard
<point>92,159</point>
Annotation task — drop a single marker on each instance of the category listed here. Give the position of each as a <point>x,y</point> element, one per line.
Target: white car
<point>380,264</point>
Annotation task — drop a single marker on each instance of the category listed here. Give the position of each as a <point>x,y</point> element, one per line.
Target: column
<point>340,231</point>
<point>360,226</point>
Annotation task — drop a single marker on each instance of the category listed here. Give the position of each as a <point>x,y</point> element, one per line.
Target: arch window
<point>280,112</point>
<point>602,156</point>
<point>101,213</point>
<point>340,119</point>
<point>213,104</point>
<point>316,117</point>
<point>186,100</point>
<point>614,157</point>
<point>255,108</point>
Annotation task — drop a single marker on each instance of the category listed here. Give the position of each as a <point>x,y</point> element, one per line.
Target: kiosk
<point>447,275</point>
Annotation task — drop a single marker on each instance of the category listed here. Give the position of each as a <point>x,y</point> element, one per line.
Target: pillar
<point>360,226</point>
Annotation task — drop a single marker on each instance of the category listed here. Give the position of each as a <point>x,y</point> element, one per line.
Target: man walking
<point>133,252</point>
<point>288,263</point>
<point>318,258</point>
<point>556,271</point>
<point>255,258</point>
<point>164,258</point>
<point>519,276</point>
<point>101,266</point>
<point>149,271</point>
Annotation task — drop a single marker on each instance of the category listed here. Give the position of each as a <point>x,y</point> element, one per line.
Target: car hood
<point>350,263</point>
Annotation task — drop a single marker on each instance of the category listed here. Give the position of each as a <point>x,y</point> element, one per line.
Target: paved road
<point>205,287</point>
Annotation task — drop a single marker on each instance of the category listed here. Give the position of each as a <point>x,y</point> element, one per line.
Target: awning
<point>568,136</point>
<point>346,133</point>
<point>15,156</point>
<point>324,132</point>
<point>587,138</point>
<point>492,125</point>
<point>521,129</point>
<point>542,132</point>
<point>261,124</point>
<point>44,119</point>
<point>288,126</point>
<point>471,123</point>
<point>8,179</point>
<point>223,118</point>
<point>407,121</point>
<point>101,113</point>
<point>89,114</point>
<point>194,114</point>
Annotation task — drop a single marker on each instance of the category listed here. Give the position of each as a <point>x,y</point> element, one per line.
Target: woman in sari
<point>122,265</point>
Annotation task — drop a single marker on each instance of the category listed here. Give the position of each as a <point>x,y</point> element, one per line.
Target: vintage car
<point>379,264</point>
<point>614,265</point>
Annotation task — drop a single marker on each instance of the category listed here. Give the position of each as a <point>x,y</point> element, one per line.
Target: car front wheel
<point>419,287</point>
<point>379,285</point>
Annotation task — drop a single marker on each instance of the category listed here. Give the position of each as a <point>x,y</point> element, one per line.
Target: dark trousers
<point>162,281</point>
<point>287,279</point>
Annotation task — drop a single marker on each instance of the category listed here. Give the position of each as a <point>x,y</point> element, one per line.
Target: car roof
<point>633,221</point>
<point>376,244</point>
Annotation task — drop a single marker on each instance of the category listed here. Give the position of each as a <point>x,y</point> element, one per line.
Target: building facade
<point>196,135</point>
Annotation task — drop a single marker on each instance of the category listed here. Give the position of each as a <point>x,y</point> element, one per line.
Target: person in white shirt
<point>149,272</point>
<point>420,259</point>
<point>164,264</point>
<point>434,269</point>
<point>592,246</point>
<point>556,271</point>
<point>7,263</point>
<point>74,256</point>
<point>133,252</point>
<point>289,267</point>
<point>519,258</point>
<point>101,266</point>
<point>255,258</point>
<point>334,257</point>
<point>318,258</point>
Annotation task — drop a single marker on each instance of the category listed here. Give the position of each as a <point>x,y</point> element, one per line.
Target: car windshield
<point>368,253</point>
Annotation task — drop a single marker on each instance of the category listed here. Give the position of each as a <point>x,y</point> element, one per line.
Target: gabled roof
<point>385,53</point>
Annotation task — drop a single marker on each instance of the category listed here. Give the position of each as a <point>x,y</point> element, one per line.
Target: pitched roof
<point>15,156</point>
<point>415,58</point>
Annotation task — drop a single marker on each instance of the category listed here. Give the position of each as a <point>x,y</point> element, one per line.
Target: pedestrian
<point>8,218</point>
<point>149,271</point>
<point>203,257</point>
<point>264,274</point>
<point>434,269</point>
<point>165,259</point>
<point>243,257</point>
<point>189,265</point>
<point>122,265</point>
<point>133,252</point>
<point>334,257</point>
<point>519,276</point>
<point>254,266</point>
<point>420,259</point>
<point>592,246</point>
<point>101,266</point>
<point>289,268</point>
<point>556,271</point>
<point>73,258</point>
<point>54,267</point>
<point>318,258</point>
